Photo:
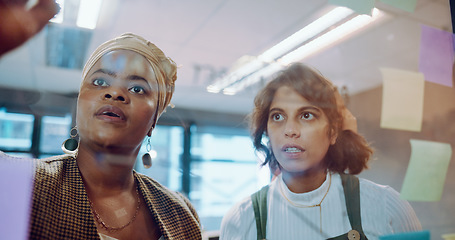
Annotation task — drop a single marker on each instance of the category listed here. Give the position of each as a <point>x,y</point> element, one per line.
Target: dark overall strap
<point>352,196</point>
<point>259,200</point>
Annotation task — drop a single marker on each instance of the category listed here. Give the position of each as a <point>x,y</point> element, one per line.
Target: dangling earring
<point>146,158</point>
<point>70,145</point>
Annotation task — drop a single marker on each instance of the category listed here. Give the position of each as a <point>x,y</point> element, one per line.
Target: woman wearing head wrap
<point>93,192</point>
<point>313,144</point>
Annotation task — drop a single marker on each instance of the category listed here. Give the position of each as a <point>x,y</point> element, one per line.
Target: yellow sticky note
<point>359,6</point>
<point>402,99</point>
<point>427,169</point>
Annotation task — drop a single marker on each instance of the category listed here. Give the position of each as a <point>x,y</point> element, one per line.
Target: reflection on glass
<point>15,130</point>
<point>167,142</point>
<point>224,170</point>
<point>19,154</point>
<point>54,130</point>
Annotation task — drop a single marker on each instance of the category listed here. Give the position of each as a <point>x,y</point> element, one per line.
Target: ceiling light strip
<point>89,11</point>
<point>267,64</point>
<point>235,76</point>
<point>264,73</point>
<point>334,36</point>
<point>339,33</point>
<point>296,39</point>
<point>311,30</point>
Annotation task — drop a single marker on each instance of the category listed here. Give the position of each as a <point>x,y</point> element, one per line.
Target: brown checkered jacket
<point>61,209</point>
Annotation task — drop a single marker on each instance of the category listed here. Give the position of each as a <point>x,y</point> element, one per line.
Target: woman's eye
<point>137,89</point>
<point>100,82</point>
<point>307,116</point>
<point>277,117</point>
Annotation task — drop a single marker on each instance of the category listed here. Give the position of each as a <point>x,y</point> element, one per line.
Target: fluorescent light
<point>89,11</point>
<point>306,33</point>
<point>264,73</point>
<point>213,89</point>
<point>231,78</point>
<point>335,35</point>
<point>58,18</point>
<point>314,37</point>
<point>229,91</point>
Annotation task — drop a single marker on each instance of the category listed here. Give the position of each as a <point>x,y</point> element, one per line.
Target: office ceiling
<point>207,37</point>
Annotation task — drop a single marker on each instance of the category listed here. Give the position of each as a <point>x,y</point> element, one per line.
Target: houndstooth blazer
<point>61,209</point>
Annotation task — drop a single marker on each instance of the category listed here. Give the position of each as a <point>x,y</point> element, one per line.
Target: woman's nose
<point>291,130</point>
<point>116,94</point>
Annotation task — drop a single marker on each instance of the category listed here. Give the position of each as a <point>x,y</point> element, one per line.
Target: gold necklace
<point>309,206</point>
<point>115,229</point>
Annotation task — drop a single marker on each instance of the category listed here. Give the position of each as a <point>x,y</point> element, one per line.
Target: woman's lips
<point>110,113</point>
<point>292,150</point>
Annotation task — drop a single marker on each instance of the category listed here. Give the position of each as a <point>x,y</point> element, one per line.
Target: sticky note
<point>16,183</point>
<point>436,55</point>
<point>359,6</point>
<point>402,100</point>
<point>420,235</point>
<point>407,5</point>
<point>448,236</point>
<point>427,169</point>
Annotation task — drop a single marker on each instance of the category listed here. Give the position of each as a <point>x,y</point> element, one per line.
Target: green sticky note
<point>359,6</point>
<point>402,99</point>
<point>427,169</point>
<point>407,5</point>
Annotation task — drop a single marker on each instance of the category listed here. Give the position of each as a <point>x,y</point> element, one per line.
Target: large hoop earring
<point>147,158</point>
<point>70,145</point>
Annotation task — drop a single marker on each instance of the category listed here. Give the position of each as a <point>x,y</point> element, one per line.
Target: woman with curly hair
<point>314,148</point>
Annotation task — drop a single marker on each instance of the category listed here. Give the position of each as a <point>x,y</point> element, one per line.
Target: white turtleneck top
<point>382,213</point>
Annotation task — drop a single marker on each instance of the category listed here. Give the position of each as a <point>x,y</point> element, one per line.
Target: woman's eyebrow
<point>314,108</point>
<point>310,108</point>
<point>114,74</point>
<point>139,78</point>
<point>136,77</point>
<point>105,71</point>
<point>275,109</point>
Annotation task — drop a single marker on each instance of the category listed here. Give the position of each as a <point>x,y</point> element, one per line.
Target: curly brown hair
<point>351,152</point>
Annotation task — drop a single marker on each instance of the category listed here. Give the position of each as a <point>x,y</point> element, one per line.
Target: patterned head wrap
<point>165,69</point>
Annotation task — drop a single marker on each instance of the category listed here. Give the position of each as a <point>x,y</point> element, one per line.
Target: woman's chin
<point>299,169</point>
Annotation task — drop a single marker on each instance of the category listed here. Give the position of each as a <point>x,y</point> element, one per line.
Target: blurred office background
<point>225,50</point>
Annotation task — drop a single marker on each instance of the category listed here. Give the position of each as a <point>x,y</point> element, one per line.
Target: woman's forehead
<point>288,96</point>
<point>124,61</point>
